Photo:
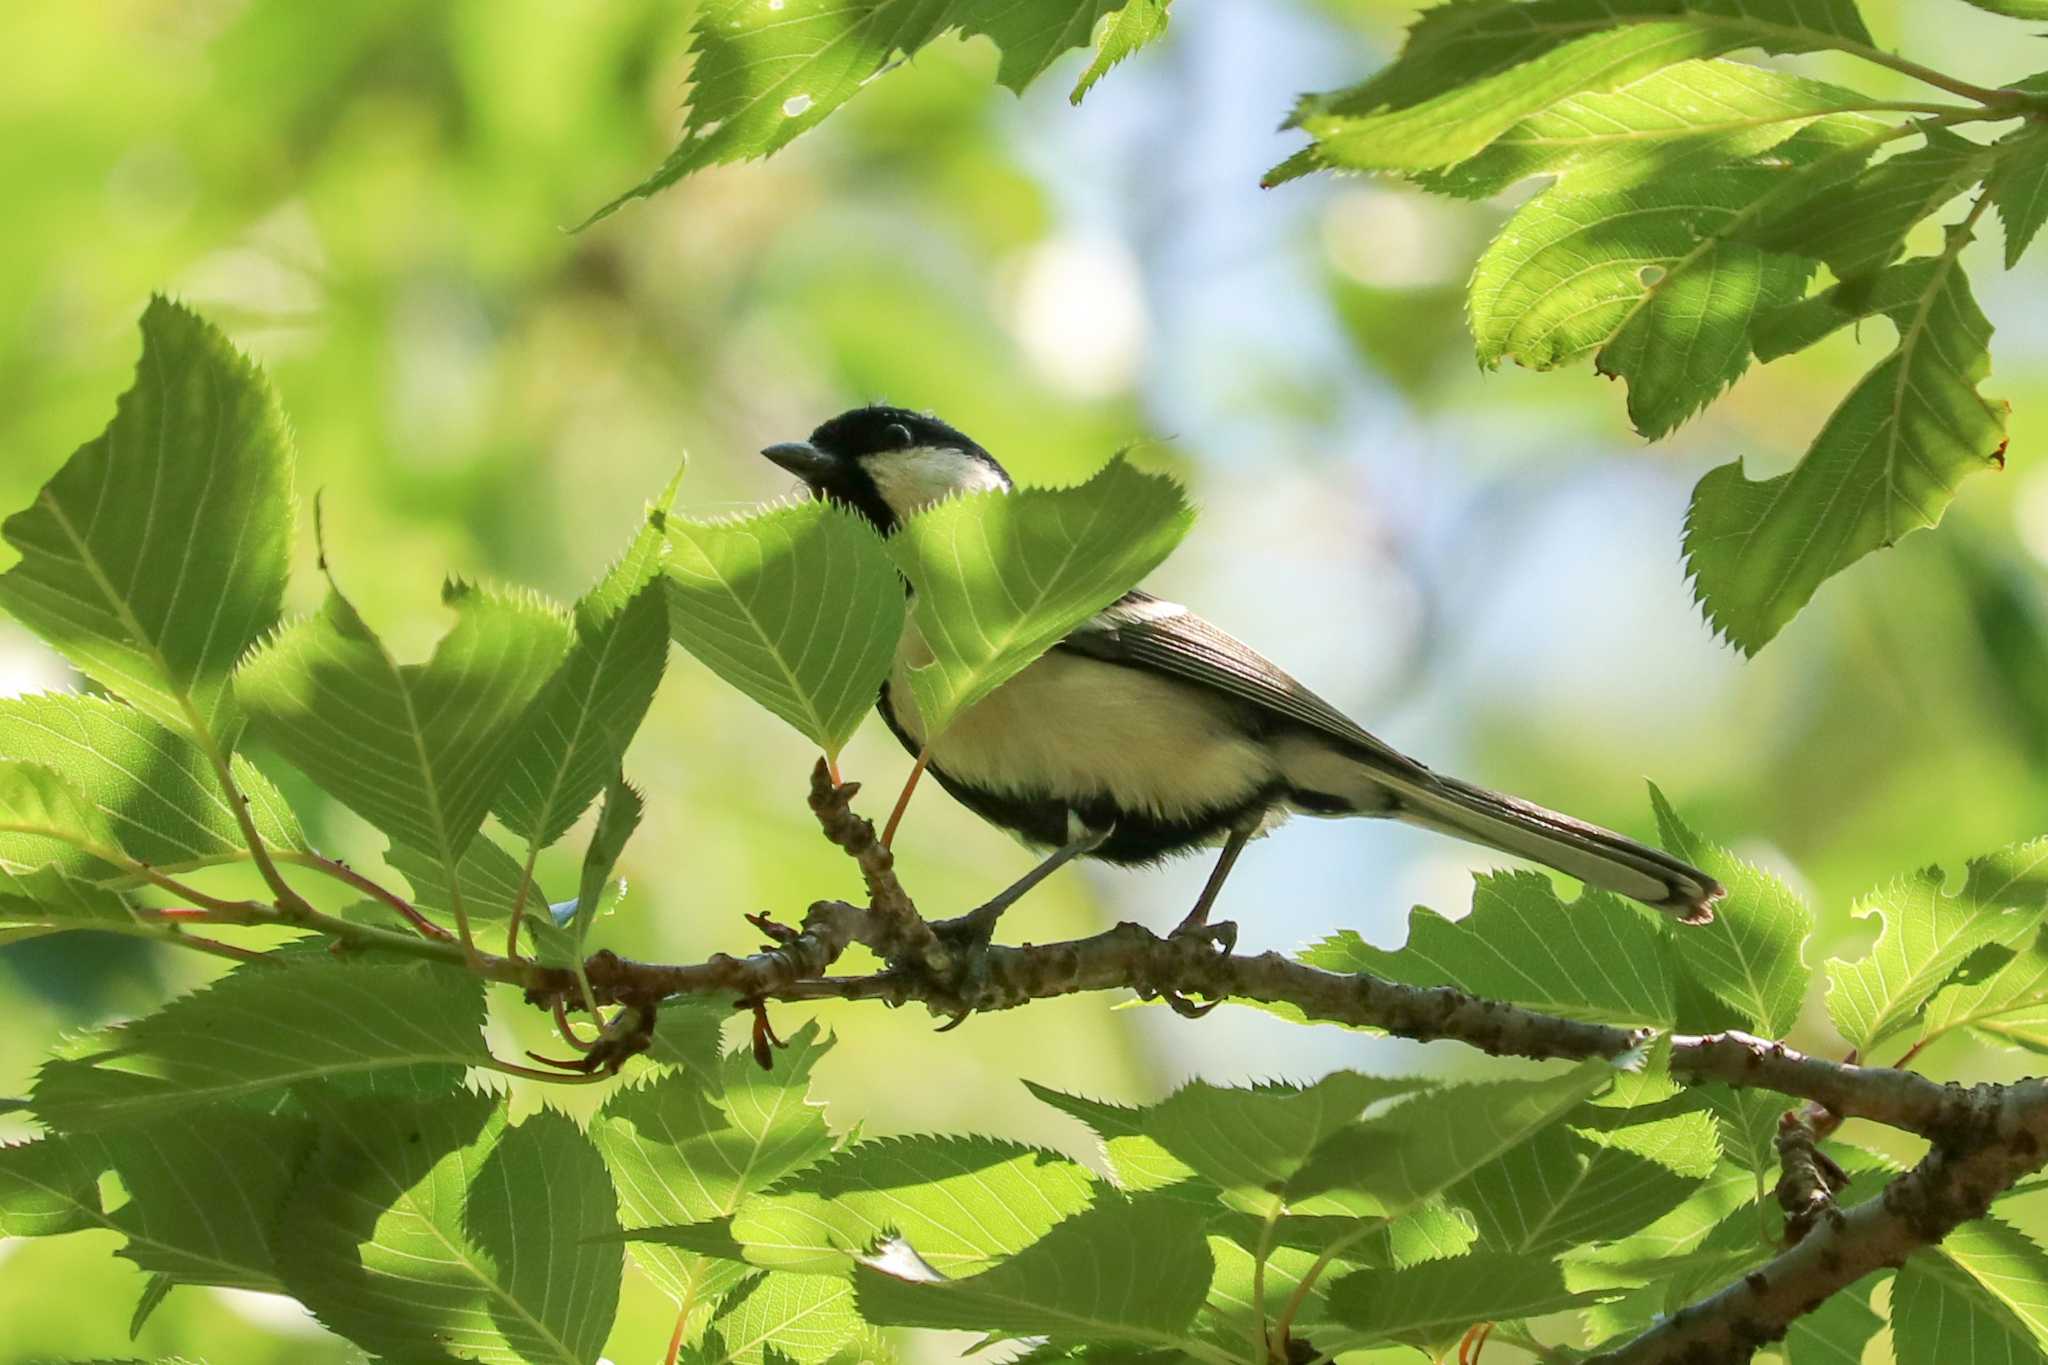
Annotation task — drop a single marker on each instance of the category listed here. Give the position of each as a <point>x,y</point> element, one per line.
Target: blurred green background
<point>373,197</point>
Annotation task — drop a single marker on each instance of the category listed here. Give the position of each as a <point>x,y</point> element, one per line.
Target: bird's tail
<point>1596,856</point>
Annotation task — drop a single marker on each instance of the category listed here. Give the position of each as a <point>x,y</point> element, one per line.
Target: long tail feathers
<point>1596,856</point>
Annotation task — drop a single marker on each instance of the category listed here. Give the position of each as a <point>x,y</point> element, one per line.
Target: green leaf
<point>1836,1332</point>
<point>763,76</point>
<point>1123,33</point>
<point>1746,1122</point>
<point>1655,276</point>
<point>687,1148</point>
<point>1666,126</point>
<point>571,740</point>
<point>778,1317</point>
<point>396,1027</point>
<point>203,1193</point>
<point>425,1229</point>
<point>1861,224</point>
<point>1431,1305</point>
<point>1886,463</point>
<point>1252,1143</point>
<point>1576,1186</point>
<point>418,750</point>
<point>488,878</point>
<point>1750,957</point>
<point>1123,1271</point>
<point>44,900</point>
<point>2000,1272</point>
<point>797,606</point>
<point>1471,72</point>
<point>1926,936</point>
<point>159,550</point>
<point>1137,1162</point>
<point>1400,1159</point>
<point>50,1186</point>
<point>2014,9</point>
<point>46,822</point>
<point>615,825</point>
<point>156,789</point>
<point>1002,576</point>
<point>1985,1304</point>
<point>2019,187</point>
<point>963,1202</point>
<point>1592,958</point>
<point>172,1172</point>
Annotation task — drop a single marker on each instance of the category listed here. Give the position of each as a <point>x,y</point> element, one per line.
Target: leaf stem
<point>924,757</point>
<point>1262,1340</point>
<point>2015,102</point>
<point>1285,1322</point>
<point>518,916</point>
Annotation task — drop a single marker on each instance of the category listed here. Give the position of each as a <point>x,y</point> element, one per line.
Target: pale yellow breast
<point>1074,725</point>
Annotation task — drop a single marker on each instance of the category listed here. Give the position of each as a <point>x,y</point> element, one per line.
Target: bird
<point>1148,733</point>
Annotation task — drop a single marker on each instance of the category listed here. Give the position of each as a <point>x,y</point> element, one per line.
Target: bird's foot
<point>1222,935</point>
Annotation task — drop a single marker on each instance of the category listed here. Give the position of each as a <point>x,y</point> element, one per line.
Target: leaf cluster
<point>1697,213</point>
<point>326,1119</point>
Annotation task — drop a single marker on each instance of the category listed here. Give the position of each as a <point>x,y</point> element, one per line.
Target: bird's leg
<point>979,924</point>
<point>1196,925</point>
<point>1197,921</point>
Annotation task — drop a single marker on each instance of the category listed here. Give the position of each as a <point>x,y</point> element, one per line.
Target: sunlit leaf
<point>1398,1160</point>
<point>1138,1163</point>
<point>781,1317</point>
<point>1124,1271</point>
<point>1431,1305</point>
<point>50,1186</point>
<point>1123,33</point>
<point>156,789</point>
<point>572,737</point>
<point>2020,188</point>
<point>796,606</point>
<point>158,552</point>
<point>1667,125</point>
<point>1861,224</point>
<point>765,73</point>
<point>963,1202</point>
<point>1751,956</point>
<point>1657,276</point>
<point>1470,72</point>
<point>1002,576</point>
<point>1591,958</point>
<point>687,1148</point>
<point>1251,1143</point>
<point>203,1193</point>
<point>418,750</point>
<point>1836,1332</point>
<point>1573,1185</point>
<point>1886,463</point>
<point>1925,936</point>
<point>423,1229</point>
<point>403,1027</point>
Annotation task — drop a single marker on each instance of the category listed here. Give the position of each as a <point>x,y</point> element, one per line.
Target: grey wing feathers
<point>1143,631</point>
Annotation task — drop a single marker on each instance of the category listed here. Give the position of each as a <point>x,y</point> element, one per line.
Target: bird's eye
<point>898,434</point>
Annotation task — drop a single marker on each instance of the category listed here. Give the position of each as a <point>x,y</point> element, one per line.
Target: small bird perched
<point>1148,732</point>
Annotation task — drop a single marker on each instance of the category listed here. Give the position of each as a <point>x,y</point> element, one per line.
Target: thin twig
<point>348,876</point>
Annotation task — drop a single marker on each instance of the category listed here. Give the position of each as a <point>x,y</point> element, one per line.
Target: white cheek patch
<point>912,480</point>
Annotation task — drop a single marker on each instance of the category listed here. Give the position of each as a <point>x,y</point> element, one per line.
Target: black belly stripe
<point>1136,838</point>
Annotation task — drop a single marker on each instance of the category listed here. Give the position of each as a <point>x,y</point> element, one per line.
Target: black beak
<point>802,459</point>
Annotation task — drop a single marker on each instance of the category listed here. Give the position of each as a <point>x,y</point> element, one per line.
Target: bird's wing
<point>1143,631</point>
